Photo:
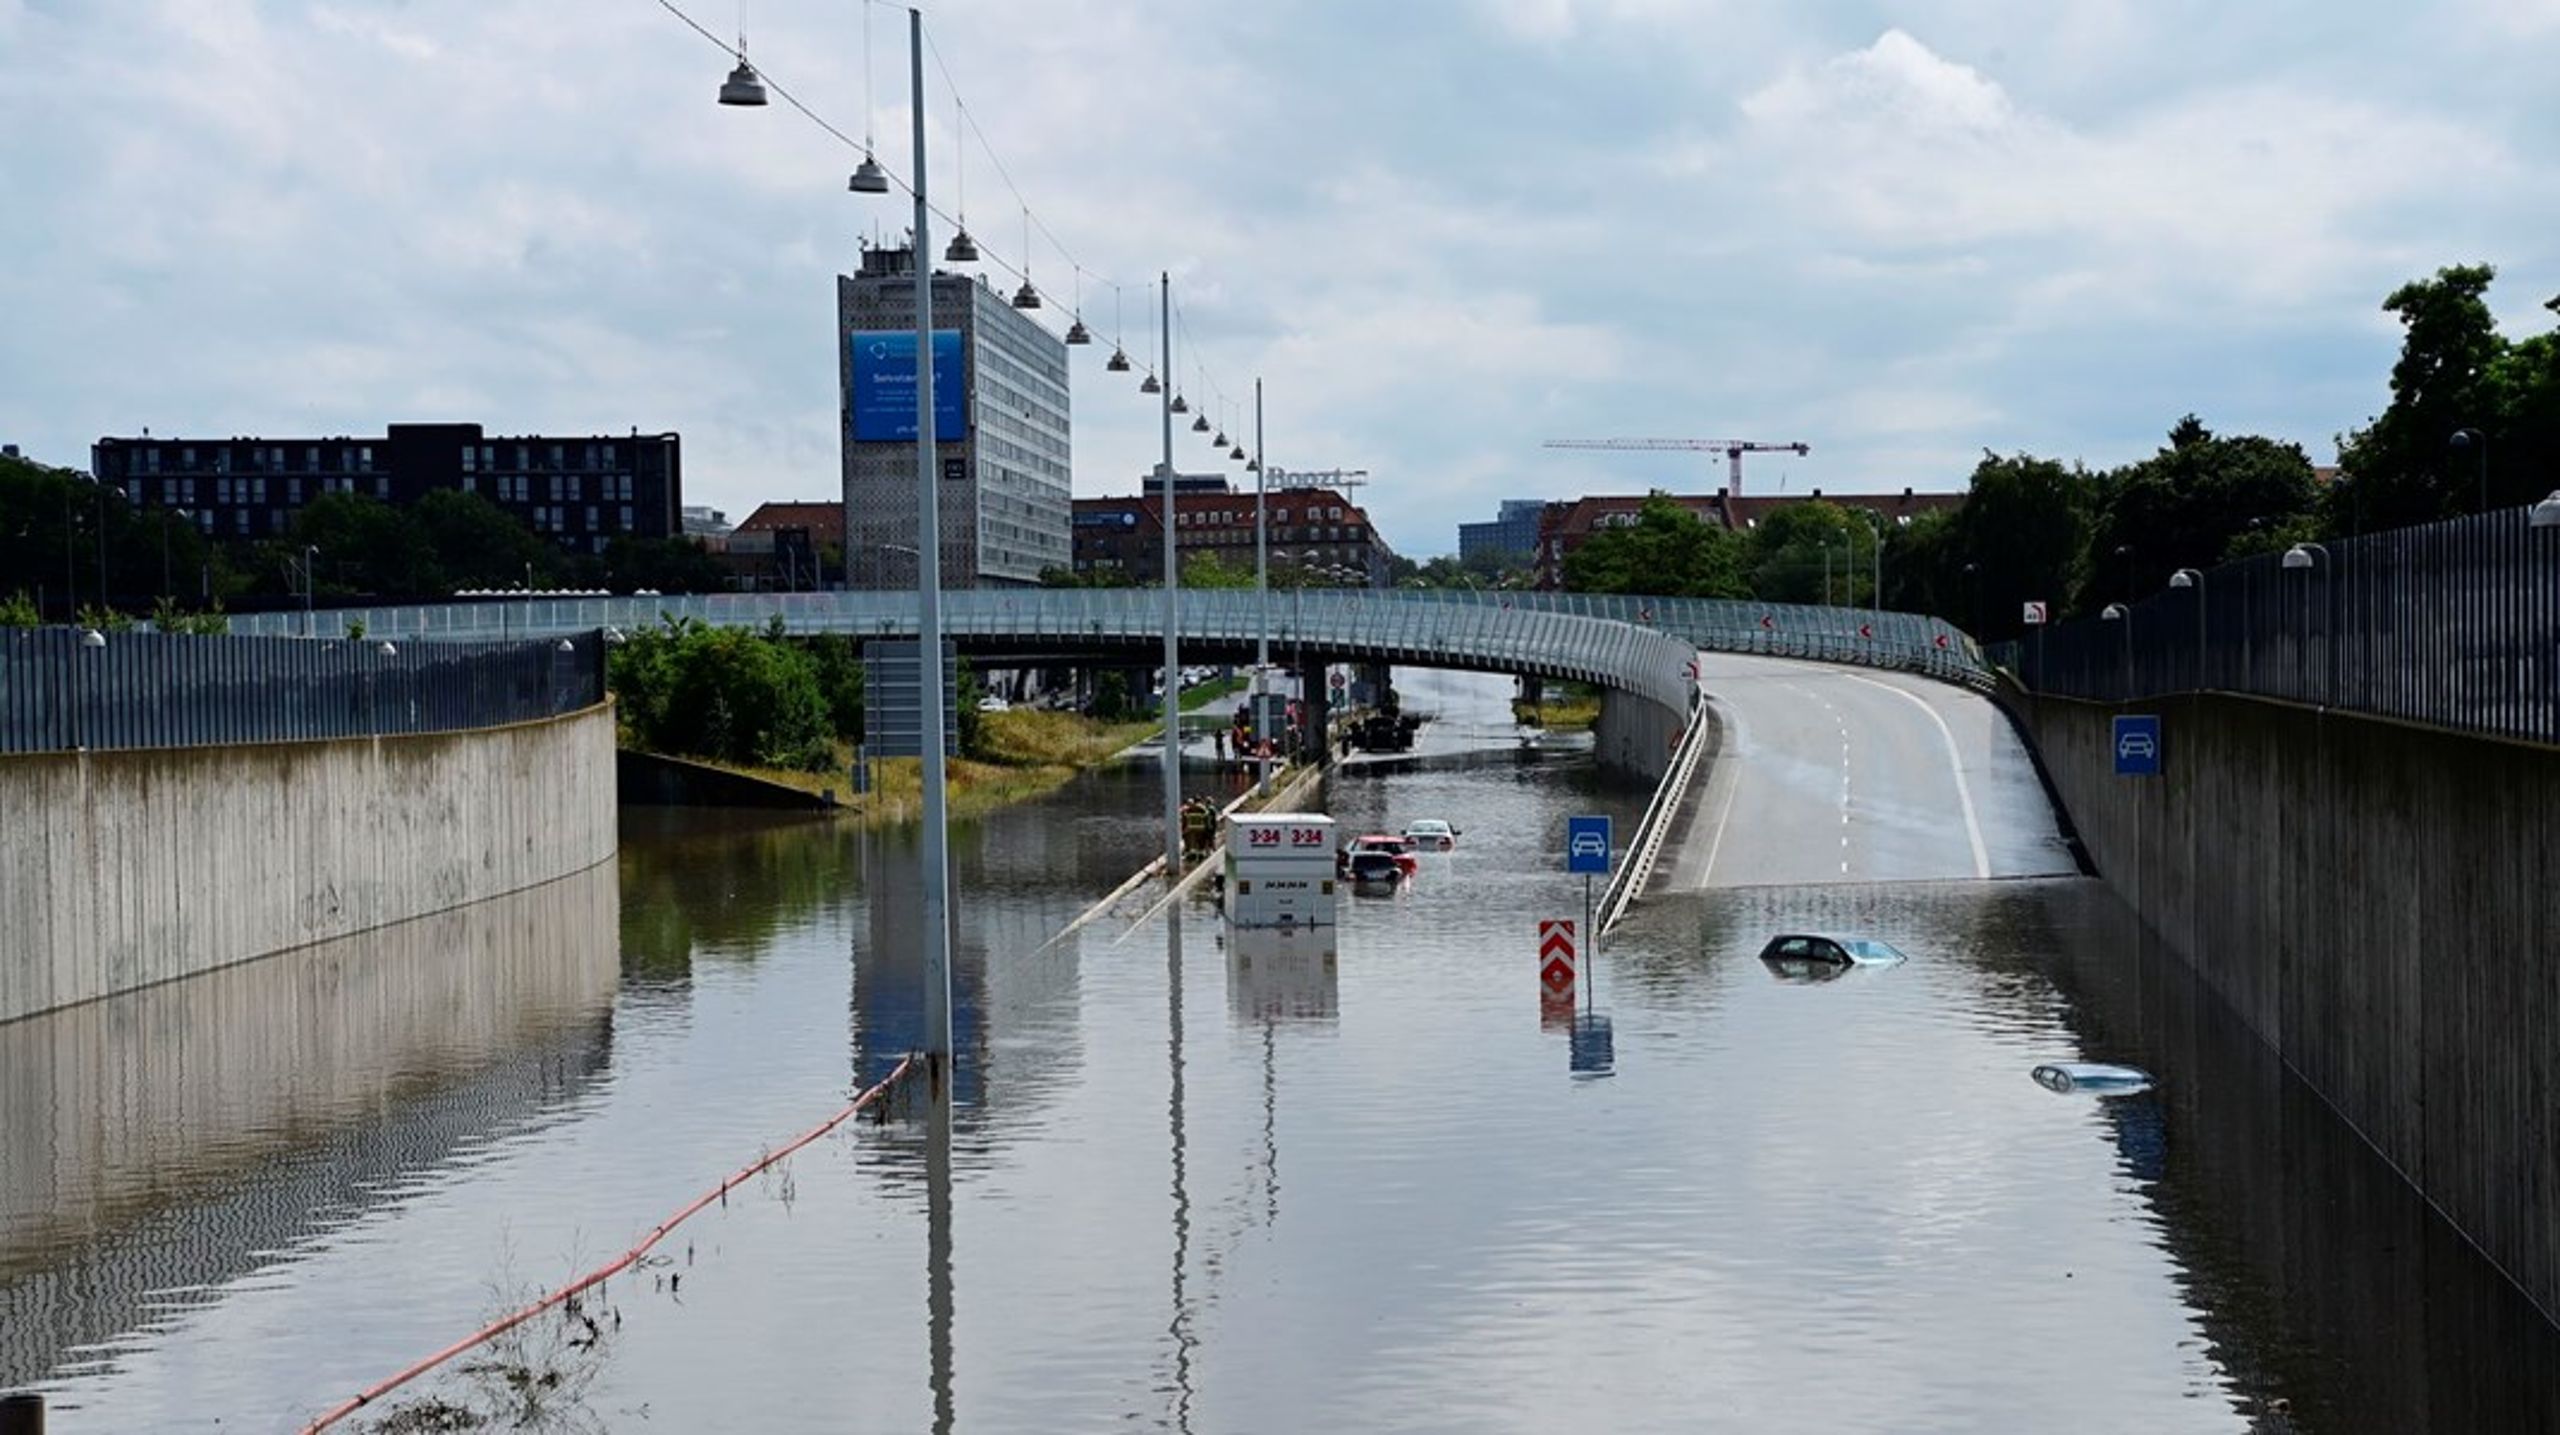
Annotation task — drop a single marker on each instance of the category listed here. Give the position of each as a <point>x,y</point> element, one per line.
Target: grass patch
<point>1562,715</point>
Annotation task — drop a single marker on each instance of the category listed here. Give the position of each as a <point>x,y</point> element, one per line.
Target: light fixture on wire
<point>962,249</point>
<point>868,176</point>
<point>1236,454</point>
<point>742,87</point>
<point>1152,387</point>
<point>1119,355</point>
<point>1077,333</point>
<point>1178,405</point>
<point>1200,423</point>
<point>1026,297</point>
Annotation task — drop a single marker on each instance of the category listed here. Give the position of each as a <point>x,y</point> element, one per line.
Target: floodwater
<point>1201,1181</point>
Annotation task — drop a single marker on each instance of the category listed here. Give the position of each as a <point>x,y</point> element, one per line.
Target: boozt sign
<point>884,386</point>
<point>1586,845</point>
<point>2137,743</point>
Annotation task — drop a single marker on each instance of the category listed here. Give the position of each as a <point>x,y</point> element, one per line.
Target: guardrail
<point>2453,624</point>
<point>1633,643</point>
<point>1627,883</point>
<point>63,689</point>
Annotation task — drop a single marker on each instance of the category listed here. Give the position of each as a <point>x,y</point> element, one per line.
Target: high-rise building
<point>579,493</point>
<point>1000,428</point>
<point>1512,537</point>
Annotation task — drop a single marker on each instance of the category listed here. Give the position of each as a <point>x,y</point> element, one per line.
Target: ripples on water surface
<point>1266,1184</point>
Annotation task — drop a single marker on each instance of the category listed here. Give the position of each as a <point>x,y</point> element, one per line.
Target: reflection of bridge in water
<point>163,1143</point>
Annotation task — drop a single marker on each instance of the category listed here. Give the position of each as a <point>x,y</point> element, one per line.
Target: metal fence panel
<point>146,689</point>
<point>2453,624</point>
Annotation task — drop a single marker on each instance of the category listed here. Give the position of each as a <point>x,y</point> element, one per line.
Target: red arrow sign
<point>1866,630</point>
<point>1768,622</point>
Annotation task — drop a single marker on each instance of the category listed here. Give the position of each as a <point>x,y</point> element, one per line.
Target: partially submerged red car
<point>1387,843</point>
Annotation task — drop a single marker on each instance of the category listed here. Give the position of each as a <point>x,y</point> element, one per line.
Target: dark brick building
<point>578,493</point>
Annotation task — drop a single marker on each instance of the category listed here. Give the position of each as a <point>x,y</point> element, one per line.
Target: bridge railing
<point>2453,624</point>
<point>59,692</point>
<point>1570,634</point>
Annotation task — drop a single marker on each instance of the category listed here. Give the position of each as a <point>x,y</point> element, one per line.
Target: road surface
<point>1831,774</point>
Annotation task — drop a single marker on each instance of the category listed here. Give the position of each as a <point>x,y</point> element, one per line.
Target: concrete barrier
<point>2376,900</point>
<point>122,869</point>
<point>1636,735</point>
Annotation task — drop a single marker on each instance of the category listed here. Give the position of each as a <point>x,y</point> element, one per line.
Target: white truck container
<point>1280,870</point>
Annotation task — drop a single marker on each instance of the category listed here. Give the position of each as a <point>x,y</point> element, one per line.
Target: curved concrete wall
<point>124,868</point>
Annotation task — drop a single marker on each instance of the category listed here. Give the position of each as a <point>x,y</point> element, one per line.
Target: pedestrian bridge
<point>1636,645</point>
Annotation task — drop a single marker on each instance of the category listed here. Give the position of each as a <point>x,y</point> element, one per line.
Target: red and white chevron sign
<point>1556,956</point>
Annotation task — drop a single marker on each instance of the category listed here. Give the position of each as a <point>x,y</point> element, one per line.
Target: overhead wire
<point>966,128</point>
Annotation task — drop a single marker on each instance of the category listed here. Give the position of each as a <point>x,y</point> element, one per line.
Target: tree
<point>1666,550</point>
<point>726,693</point>
<point>475,543</point>
<point>1208,570</point>
<point>1813,552</point>
<point>2024,527</point>
<point>665,565</point>
<point>366,548</point>
<point>2187,505</point>
<point>2401,468</point>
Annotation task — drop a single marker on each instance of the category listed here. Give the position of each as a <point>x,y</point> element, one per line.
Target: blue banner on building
<point>884,386</point>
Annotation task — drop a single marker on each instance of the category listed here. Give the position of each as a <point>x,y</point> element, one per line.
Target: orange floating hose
<point>620,1263</point>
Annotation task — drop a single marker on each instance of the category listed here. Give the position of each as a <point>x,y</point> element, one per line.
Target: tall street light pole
<point>1261,588</point>
<point>937,832</point>
<point>2478,443</point>
<point>1172,605</point>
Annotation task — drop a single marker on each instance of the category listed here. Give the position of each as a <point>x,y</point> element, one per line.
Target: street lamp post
<point>2119,613</point>
<point>1165,515</point>
<point>937,833</point>
<point>2478,444</point>
<point>2189,578</point>
<point>309,581</point>
<point>1261,595</point>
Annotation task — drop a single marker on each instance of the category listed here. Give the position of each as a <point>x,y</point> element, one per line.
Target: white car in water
<point>1430,834</point>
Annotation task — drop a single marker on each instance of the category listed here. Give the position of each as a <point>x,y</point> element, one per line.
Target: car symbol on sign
<point>2137,744</point>
<point>1590,844</point>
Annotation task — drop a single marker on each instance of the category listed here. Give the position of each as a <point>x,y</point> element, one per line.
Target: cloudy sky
<point>1441,230</point>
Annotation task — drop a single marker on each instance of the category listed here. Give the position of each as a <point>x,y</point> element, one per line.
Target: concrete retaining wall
<point>2379,903</point>
<point>125,868</point>
<point>1635,735</point>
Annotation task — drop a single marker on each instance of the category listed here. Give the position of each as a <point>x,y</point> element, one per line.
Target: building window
<point>382,487</point>
<point>258,489</point>
<point>240,520</point>
<point>470,484</point>
<point>133,492</point>
<point>293,490</point>
<point>555,488</point>
<point>187,460</point>
<point>591,518</point>
<point>469,454</point>
<point>626,518</point>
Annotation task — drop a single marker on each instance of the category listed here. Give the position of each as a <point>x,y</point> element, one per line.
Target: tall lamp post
<point>1261,595</point>
<point>1165,515</point>
<point>2189,578</point>
<point>2119,613</point>
<point>2477,443</point>
<point>937,832</point>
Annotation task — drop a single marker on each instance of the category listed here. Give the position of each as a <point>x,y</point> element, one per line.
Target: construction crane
<point>1732,448</point>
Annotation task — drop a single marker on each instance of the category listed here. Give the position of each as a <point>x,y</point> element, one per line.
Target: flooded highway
<point>1204,1181</point>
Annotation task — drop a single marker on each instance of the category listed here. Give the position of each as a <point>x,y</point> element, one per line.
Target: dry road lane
<point>1831,774</point>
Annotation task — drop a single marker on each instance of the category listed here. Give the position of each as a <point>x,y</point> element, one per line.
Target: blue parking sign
<point>2137,743</point>
<point>1586,845</point>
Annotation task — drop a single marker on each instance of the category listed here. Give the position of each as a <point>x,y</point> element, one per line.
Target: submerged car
<point>1431,834</point>
<point>1373,873</point>
<point>1396,848</point>
<point>1809,957</point>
